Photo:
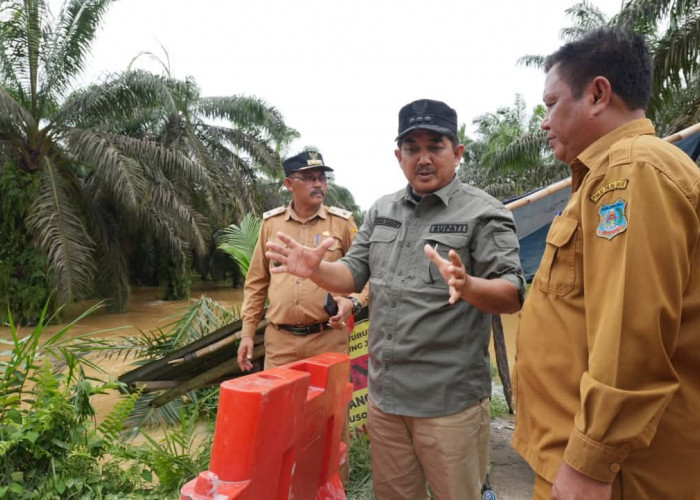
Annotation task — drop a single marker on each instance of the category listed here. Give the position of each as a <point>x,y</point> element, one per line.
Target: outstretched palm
<point>295,258</point>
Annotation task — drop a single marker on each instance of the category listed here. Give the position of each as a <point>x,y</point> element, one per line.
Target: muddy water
<point>147,312</point>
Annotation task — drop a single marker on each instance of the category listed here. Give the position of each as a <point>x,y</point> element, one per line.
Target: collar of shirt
<point>291,214</point>
<point>596,155</point>
<point>444,193</point>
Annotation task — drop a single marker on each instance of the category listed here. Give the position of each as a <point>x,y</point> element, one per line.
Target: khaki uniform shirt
<point>428,358</point>
<point>293,301</point>
<point>608,352</point>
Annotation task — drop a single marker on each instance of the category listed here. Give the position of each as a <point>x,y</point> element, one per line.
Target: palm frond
<point>65,52</point>
<point>239,242</point>
<point>59,230</point>
<point>118,174</point>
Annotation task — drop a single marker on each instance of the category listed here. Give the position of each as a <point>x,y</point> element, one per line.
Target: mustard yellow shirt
<point>293,301</point>
<point>607,374</point>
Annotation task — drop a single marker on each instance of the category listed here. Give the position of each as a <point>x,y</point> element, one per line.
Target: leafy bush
<point>50,445</point>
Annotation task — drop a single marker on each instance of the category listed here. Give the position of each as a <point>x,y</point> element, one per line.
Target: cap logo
<point>313,161</point>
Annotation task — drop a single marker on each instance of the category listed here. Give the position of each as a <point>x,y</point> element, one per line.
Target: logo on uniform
<point>612,220</point>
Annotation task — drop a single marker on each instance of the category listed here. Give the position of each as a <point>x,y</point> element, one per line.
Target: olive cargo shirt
<point>428,358</point>
<point>608,350</point>
<point>293,301</point>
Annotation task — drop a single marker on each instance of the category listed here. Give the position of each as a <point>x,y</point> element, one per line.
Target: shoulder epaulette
<point>345,214</point>
<point>273,212</point>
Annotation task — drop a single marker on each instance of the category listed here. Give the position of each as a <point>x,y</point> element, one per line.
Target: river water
<point>147,312</point>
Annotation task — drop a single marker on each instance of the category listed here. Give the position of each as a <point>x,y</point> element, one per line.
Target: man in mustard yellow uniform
<point>298,326</point>
<point>608,361</point>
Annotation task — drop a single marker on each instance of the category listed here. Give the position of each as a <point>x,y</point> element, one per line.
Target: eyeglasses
<point>311,179</point>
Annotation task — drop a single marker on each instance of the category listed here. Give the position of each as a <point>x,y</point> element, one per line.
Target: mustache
<point>318,191</point>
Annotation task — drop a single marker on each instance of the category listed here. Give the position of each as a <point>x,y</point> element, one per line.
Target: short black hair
<point>620,55</point>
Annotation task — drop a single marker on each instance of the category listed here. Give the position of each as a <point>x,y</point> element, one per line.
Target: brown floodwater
<point>147,312</point>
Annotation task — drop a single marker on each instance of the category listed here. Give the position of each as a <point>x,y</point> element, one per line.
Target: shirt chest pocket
<point>335,252</point>
<point>557,272</point>
<point>381,246</point>
<point>443,243</point>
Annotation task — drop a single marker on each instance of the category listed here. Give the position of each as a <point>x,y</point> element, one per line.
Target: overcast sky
<point>340,71</point>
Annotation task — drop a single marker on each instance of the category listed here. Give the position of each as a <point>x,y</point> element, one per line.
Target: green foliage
<point>134,156</point>
<point>24,282</point>
<point>672,29</point>
<point>177,458</point>
<point>360,485</point>
<point>239,242</point>
<point>499,406</point>
<point>509,156</point>
<point>50,446</point>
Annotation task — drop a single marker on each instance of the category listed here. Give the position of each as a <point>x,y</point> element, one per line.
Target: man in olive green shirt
<point>440,257</point>
<point>608,362</point>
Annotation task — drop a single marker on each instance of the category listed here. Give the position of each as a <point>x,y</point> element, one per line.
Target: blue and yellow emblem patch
<point>612,220</point>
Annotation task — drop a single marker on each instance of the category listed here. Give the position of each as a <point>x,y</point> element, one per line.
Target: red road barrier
<point>278,434</point>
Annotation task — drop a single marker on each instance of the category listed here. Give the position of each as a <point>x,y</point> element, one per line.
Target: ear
<point>459,153</point>
<point>288,184</point>
<point>397,153</point>
<point>600,94</point>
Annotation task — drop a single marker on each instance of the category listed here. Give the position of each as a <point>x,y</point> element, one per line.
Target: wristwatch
<point>356,305</point>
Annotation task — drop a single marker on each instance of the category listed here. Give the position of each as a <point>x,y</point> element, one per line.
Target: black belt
<point>305,330</point>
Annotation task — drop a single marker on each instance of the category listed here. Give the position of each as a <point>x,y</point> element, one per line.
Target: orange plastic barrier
<point>278,434</point>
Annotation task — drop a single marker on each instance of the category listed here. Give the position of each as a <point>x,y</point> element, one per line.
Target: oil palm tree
<point>131,157</point>
<point>672,28</point>
<point>509,156</point>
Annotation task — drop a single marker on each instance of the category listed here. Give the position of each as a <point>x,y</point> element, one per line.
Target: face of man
<point>567,121</point>
<point>308,188</point>
<point>428,160</point>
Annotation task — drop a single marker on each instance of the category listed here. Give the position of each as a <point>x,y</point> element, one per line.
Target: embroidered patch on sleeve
<point>611,186</point>
<point>612,220</point>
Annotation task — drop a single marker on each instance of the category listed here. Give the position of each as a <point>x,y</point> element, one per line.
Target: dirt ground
<point>510,476</point>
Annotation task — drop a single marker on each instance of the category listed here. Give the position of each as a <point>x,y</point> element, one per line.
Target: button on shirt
<point>428,358</point>
<point>608,354</point>
<point>293,301</point>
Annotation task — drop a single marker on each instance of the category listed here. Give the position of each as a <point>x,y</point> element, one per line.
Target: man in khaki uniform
<point>608,361</point>
<point>298,326</point>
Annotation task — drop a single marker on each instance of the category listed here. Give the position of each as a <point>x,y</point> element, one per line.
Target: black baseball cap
<point>426,114</point>
<point>304,161</point>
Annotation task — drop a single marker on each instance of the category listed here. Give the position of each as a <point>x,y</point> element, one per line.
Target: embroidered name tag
<point>449,227</point>
<point>385,221</point>
<point>618,184</point>
<point>612,220</point>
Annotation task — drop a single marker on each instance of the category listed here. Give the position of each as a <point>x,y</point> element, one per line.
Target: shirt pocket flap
<point>383,235</point>
<point>562,231</point>
<point>447,240</point>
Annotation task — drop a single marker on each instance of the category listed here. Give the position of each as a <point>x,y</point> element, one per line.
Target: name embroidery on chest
<point>449,227</point>
<point>385,221</point>
<point>612,220</point>
<point>618,184</point>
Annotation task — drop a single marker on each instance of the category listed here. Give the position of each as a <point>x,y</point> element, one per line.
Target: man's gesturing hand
<point>295,258</point>
<point>453,271</point>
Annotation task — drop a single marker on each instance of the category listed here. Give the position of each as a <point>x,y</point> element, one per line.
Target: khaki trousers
<point>451,453</point>
<point>282,347</point>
